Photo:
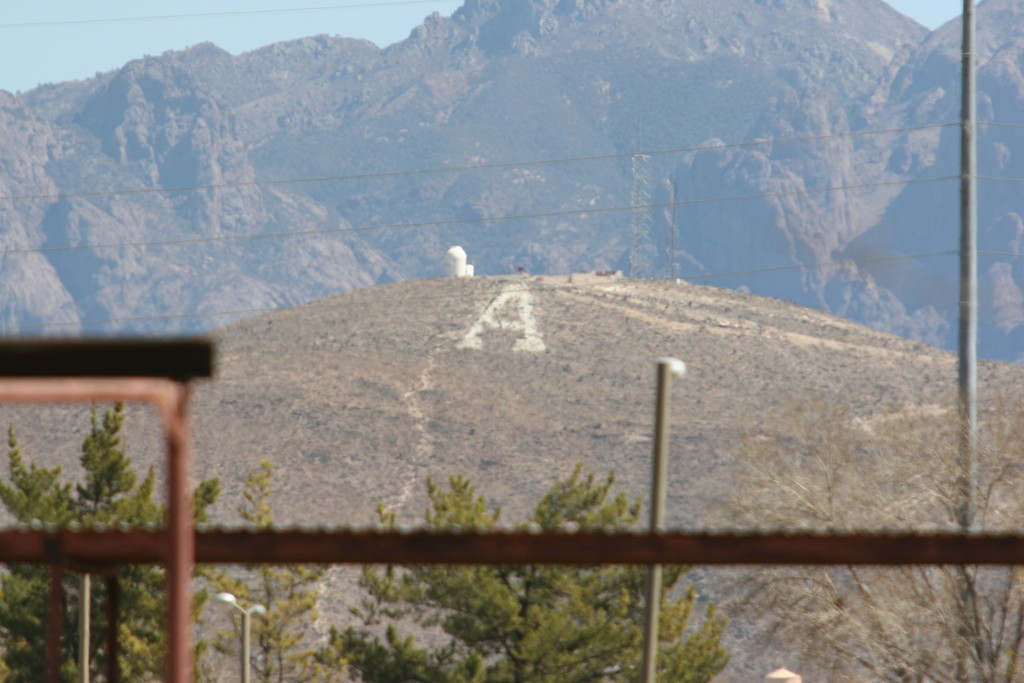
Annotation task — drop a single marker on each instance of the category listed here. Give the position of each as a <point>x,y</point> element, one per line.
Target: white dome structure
<point>782,676</point>
<point>455,263</point>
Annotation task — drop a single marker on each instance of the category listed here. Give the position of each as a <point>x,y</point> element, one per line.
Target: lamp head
<point>226,597</point>
<point>676,367</point>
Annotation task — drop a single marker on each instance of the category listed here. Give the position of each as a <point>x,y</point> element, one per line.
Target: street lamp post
<point>229,599</point>
<point>667,369</point>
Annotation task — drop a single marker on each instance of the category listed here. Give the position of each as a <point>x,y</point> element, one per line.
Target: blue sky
<point>44,41</point>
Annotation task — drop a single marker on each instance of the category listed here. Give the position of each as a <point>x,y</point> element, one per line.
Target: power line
<point>998,179</point>
<point>212,15</point>
<point>463,221</point>
<point>1008,254</point>
<point>148,318</point>
<point>459,169</point>
<point>822,264</point>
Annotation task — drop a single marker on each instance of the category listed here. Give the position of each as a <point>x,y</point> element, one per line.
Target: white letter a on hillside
<point>495,318</point>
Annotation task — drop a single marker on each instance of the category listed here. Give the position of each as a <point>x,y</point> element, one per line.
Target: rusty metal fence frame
<point>176,541</point>
<point>152,371</point>
<point>102,551</point>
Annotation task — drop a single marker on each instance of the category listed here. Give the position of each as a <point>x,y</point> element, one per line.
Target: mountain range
<point>799,149</point>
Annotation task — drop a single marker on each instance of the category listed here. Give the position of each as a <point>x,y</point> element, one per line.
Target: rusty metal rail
<point>100,550</point>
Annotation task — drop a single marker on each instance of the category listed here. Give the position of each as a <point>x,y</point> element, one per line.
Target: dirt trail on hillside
<point>424,446</point>
<point>702,321</point>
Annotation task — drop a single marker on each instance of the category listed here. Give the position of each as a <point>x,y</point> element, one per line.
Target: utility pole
<point>968,329</point>
<point>967,380</point>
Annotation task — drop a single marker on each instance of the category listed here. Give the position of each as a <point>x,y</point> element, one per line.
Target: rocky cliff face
<point>30,290</point>
<point>151,211</point>
<point>227,183</point>
<point>923,218</point>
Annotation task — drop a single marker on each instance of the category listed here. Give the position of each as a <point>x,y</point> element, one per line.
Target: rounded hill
<point>358,398</point>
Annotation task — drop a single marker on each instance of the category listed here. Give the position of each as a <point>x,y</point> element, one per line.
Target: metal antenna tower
<point>641,250</point>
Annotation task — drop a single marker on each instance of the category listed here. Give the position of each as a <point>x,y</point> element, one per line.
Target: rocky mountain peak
<point>393,155</point>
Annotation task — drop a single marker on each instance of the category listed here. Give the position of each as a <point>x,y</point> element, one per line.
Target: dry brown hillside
<point>359,397</point>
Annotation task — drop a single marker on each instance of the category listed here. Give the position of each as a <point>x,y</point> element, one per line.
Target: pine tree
<point>281,651</point>
<point>110,494</point>
<point>527,623</point>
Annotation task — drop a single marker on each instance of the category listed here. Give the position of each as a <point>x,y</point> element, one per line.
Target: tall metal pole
<point>84,618</point>
<point>967,380</point>
<point>667,369</point>
<point>968,329</point>
<point>246,653</point>
<point>229,599</point>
